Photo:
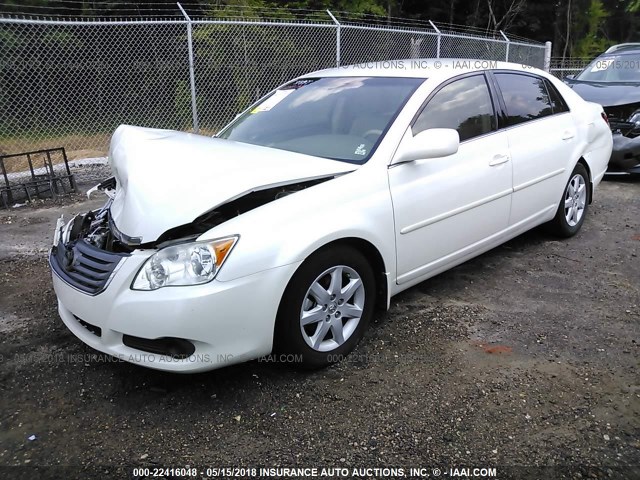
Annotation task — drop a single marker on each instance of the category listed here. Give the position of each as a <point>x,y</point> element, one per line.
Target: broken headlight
<point>190,263</point>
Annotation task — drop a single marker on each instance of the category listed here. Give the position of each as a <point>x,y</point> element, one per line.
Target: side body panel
<point>443,205</point>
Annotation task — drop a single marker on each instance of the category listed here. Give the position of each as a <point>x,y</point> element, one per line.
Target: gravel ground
<point>524,356</point>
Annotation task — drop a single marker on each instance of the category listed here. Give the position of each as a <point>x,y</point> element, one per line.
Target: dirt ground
<point>526,356</point>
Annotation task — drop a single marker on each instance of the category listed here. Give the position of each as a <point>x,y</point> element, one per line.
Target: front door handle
<point>568,135</point>
<point>498,160</point>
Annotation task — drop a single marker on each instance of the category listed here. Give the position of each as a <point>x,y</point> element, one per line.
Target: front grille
<point>84,266</point>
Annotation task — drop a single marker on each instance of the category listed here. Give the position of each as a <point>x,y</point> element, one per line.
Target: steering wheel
<point>374,131</point>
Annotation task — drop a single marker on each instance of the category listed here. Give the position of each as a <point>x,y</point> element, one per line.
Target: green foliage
<point>15,5</point>
<point>61,39</point>
<point>182,103</point>
<point>589,24</point>
<point>374,7</point>
<point>8,40</point>
<point>633,6</point>
<point>252,9</point>
<point>593,24</point>
<point>255,8</point>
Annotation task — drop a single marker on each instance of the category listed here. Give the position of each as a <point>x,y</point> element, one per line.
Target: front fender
<point>288,230</point>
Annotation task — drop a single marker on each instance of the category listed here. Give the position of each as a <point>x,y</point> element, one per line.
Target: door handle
<point>568,134</point>
<point>498,160</point>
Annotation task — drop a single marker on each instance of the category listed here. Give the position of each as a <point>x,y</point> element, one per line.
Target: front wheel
<point>326,307</point>
<point>573,206</point>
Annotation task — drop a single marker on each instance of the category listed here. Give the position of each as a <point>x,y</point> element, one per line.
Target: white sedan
<point>316,205</point>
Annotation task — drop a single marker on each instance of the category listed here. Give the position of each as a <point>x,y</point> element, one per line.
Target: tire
<point>569,219</point>
<point>331,327</point>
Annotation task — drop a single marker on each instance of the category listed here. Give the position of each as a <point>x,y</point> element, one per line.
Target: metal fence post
<point>506,39</point>
<point>192,76</point>
<point>338,28</point>
<point>439,37</point>
<point>547,56</point>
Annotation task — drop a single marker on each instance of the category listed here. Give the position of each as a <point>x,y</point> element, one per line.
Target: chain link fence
<point>562,67</point>
<point>70,83</point>
<point>237,63</point>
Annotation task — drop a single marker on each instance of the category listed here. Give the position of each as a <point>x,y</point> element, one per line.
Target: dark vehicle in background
<point>613,81</point>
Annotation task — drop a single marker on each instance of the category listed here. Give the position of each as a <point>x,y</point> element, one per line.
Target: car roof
<point>623,48</point>
<point>419,68</point>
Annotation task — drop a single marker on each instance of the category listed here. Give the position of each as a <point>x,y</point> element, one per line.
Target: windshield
<point>341,118</point>
<point>612,68</point>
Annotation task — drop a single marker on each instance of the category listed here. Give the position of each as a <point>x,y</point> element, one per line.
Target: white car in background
<point>317,204</point>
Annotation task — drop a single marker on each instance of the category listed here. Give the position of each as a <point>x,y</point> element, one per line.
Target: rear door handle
<point>568,134</point>
<point>498,160</point>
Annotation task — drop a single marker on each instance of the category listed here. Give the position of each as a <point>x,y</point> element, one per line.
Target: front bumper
<point>227,322</point>
<point>625,156</point>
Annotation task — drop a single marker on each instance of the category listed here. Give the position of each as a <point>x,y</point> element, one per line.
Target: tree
<point>589,27</point>
<point>576,27</point>
<point>510,12</point>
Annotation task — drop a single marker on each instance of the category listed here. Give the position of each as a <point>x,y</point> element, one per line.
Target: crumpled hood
<point>167,178</point>
<point>607,94</point>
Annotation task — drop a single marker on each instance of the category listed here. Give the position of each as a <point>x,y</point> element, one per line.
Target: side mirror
<point>432,143</point>
<point>569,77</point>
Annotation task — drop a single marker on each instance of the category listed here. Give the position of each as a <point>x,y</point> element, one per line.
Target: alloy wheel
<point>575,200</point>
<point>332,308</point>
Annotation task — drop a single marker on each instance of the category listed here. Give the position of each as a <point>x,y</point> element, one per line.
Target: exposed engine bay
<point>624,119</point>
<point>97,228</point>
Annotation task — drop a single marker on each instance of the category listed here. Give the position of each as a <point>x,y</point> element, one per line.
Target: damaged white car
<point>322,200</point>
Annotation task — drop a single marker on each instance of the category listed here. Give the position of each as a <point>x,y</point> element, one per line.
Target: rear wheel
<point>326,307</point>
<point>573,206</point>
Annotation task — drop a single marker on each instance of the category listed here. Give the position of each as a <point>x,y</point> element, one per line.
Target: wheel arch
<point>585,164</point>
<point>371,253</point>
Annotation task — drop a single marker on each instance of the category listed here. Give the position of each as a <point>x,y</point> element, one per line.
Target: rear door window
<point>525,96</point>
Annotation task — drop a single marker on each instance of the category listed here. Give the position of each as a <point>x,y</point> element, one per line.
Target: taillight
<point>604,117</point>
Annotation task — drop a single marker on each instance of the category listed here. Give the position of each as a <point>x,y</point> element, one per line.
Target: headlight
<point>190,263</point>
<point>635,118</point>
